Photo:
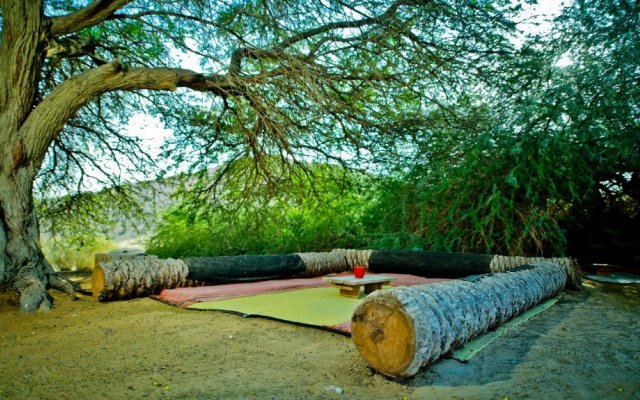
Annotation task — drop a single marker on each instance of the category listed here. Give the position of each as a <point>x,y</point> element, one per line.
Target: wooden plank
<point>372,287</point>
<point>352,280</point>
<point>352,292</point>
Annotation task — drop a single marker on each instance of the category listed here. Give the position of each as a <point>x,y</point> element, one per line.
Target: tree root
<point>64,285</point>
<point>34,296</point>
<point>32,287</point>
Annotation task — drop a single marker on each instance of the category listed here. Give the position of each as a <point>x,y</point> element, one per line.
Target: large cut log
<point>134,278</point>
<point>120,279</point>
<point>458,265</point>
<point>400,330</point>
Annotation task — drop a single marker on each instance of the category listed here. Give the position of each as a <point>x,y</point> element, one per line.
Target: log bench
<point>350,285</point>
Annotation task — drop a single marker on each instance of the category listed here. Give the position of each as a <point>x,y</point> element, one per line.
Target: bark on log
<point>318,264</point>
<point>400,330</point>
<point>506,263</point>
<point>134,278</point>
<point>120,280</point>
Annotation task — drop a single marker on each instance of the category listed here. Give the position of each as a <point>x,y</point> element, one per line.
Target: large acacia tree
<point>281,80</point>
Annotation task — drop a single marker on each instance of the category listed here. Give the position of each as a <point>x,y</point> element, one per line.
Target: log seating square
<point>350,285</point>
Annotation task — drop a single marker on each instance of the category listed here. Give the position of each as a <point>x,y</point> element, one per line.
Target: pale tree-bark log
<point>134,278</point>
<point>400,330</point>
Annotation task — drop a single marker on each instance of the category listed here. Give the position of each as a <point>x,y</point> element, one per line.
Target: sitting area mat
<point>184,297</point>
<point>313,302</point>
<point>318,307</point>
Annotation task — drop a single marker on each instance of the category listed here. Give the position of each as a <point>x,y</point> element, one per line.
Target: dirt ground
<point>587,346</point>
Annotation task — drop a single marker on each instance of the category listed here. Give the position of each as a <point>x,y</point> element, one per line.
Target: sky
<point>152,133</point>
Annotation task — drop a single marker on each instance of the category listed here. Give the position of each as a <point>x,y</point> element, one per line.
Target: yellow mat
<point>321,307</point>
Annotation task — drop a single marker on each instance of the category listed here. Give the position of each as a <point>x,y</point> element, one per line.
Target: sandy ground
<point>585,347</point>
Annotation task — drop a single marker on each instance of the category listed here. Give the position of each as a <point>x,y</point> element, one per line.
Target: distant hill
<point>129,231</point>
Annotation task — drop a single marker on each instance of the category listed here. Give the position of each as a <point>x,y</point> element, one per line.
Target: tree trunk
<point>131,278</point>
<point>22,264</point>
<point>400,330</point>
<point>23,267</point>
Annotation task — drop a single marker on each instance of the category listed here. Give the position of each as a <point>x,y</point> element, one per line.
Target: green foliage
<point>469,143</point>
<point>551,149</point>
<point>501,196</point>
<point>75,252</point>
<point>318,215</point>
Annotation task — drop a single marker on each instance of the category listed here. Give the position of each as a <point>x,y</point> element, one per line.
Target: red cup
<point>359,271</point>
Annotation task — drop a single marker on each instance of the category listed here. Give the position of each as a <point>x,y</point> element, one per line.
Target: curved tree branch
<point>340,25</point>
<point>49,117</point>
<point>278,51</point>
<point>71,47</point>
<point>91,15</point>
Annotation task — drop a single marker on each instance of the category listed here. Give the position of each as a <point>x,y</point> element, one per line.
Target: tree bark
<point>134,278</point>
<point>23,267</point>
<point>400,330</point>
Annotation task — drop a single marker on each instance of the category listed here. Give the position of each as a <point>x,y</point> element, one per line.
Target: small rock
<point>333,388</point>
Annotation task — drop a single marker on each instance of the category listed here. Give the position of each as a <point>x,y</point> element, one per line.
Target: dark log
<point>400,330</point>
<point>430,264</point>
<point>460,265</point>
<point>225,269</point>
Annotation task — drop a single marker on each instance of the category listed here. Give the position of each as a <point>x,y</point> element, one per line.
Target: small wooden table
<point>350,285</point>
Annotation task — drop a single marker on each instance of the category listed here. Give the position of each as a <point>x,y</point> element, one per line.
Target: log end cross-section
<point>384,334</point>
<point>400,330</point>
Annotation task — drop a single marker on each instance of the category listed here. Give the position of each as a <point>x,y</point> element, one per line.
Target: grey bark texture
<point>135,278</point>
<point>317,264</point>
<point>506,263</point>
<point>446,315</point>
<point>355,257</point>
